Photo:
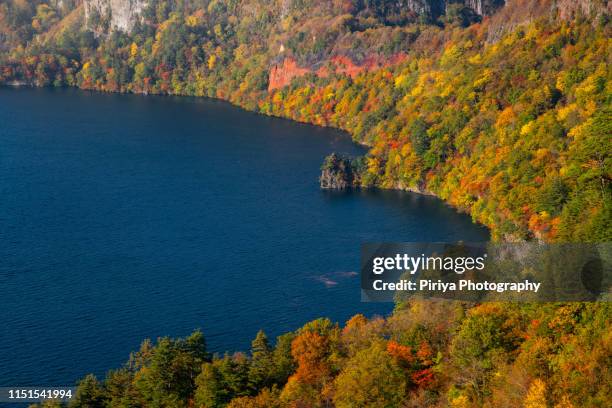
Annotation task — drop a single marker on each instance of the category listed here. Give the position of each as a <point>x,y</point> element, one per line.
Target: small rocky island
<point>340,172</point>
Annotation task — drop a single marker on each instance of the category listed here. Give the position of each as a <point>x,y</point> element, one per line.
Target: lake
<point>127,217</point>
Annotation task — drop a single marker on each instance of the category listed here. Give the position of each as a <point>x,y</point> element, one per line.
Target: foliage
<point>426,353</point>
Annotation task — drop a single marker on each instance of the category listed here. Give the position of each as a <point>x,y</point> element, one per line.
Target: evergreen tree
<point>261,370</point>
<point>89,394</point>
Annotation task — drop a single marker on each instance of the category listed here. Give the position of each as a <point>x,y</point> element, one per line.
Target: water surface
<point>124,217</point>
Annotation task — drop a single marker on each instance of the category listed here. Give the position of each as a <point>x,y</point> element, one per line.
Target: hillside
<point>500,109</point>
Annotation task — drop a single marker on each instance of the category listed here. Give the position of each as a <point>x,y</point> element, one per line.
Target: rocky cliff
<point>113,14</point>
<point>432,9</point>
<point>481,7</point>
<point>123,14</point>
<point>592,9</point>
<point>521,12</point>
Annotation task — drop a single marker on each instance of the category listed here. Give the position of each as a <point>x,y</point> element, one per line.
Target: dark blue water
<point>126,217</point>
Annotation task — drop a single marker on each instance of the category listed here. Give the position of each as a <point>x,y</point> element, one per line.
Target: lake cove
<point>128,217</point>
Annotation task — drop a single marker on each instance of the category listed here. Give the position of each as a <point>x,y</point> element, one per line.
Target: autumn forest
<point>499,108</point>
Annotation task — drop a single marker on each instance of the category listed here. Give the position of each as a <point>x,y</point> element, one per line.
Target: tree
<point>284,364</point>
<point>261,370</point>
<point>168,371</point>
<point>89,394</point>
<point>311,349</point>
<point>370,379</point>
<point>536,397</point>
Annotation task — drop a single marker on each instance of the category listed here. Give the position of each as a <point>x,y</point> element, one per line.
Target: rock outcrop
<point>482,7</point>
<point>432,9</point>
<point>427,8</point>
<point>592,9</point>
<point>517,13</point>
<point>120,15</point>
<point>338,173</point>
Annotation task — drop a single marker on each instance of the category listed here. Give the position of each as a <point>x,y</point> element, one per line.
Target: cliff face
<point>433,9</point>
<point>569,9</point>
<point>520,12</point>
<point>120,14</point>
<point>56,3</point>
<point>123,14</point>
<point>482,7</point>
<point>422,7</point>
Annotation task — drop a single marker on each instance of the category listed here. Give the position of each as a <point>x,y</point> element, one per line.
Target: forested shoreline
<point>503,116</point>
